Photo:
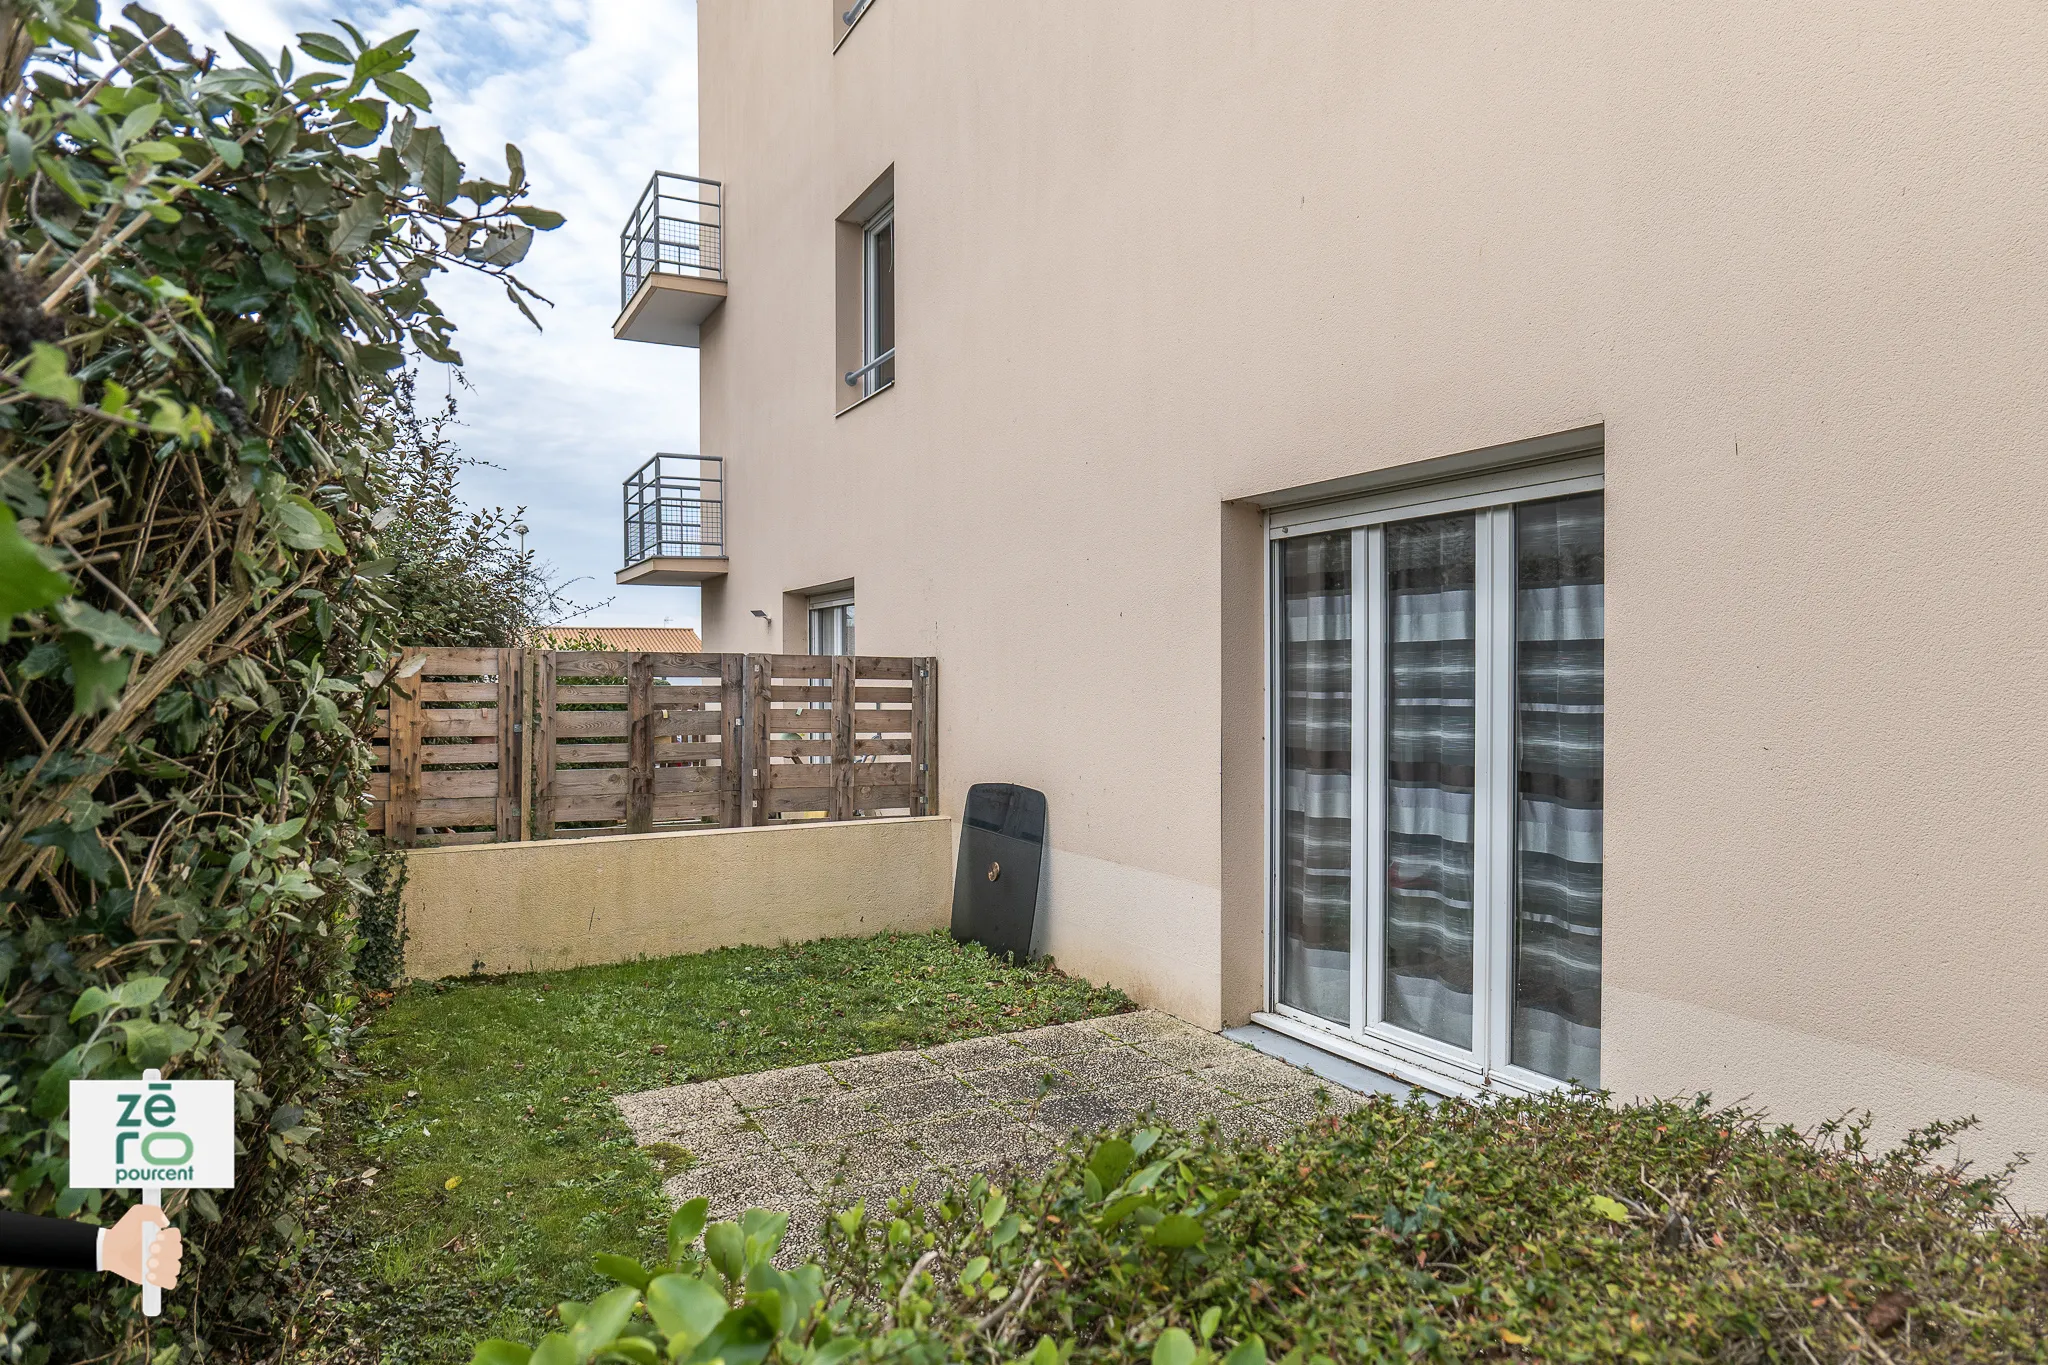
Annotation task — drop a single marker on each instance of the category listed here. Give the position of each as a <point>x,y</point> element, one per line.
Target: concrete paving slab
<point>973,1054</point>
<point>770,1089</point>
<point>806,1138</point>
<point>879,1070</point>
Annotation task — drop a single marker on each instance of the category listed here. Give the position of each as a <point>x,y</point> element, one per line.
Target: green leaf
<point>1174,1347</point>
<point>1250,1351</point>
<point>556,1349</point>
<point>1176,1230</point>
<point>97,677</point>
<point>26,583</point>
<point>356,224</point>
<point>405,90</point>
<point>21,153</point>
<point>604,1317</point>
<point>1109,1162</point>
<point>151,1043</point>
<point>1613,1210</point>
<point>547,220</point>
<point>638,1350</point>
<point>369,114</point>
<point>1047,1352</point>
<point>685,1224</point>
<point>743,1337</point>
<point>726,1246</point>
<point>140,992</point>
<point>623,1269</point>
<point>684,1307</point>
<point>327,49</point>
<point>81,846</point>
<point>47,375</point>
<point>504,246</point>
<point>515,166</point>
<point>92,1000</point>
<point>228,150</point>
<point>107,630</point>
<point>441,176</point>
<point>53,1090</point>
<point>763,1230</point>
<point>303,526</point>
<point>498,1351</point>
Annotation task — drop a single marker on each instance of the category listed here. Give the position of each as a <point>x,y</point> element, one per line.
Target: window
<point>878,301</point>
<point>832,624</point>
<point>1439,683</point>
<point>845,14</point>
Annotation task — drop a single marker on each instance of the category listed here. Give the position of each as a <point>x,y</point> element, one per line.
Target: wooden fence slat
<point>699,723</point>
<point>890,667</point>
<point>640,762</point>
<point>580,808</point>
<point>797,665</point>
<point>732,682</point>
<point>608,782</point>
<point>507,792</point>
<point>545,758</point>
<point>438,782</point>
<point>458,663</point>
<point>895,695</point>
<point>401,808</point>
<point>686,781</point>
<point>666,694</point>
<point>464,691</point>
<point>880,748</point>
<point>754,752</point>
<point>842,737</point>
<point>591,694</point>
<point>458,810</point>
<point>694,806</point>
<point>588,663</point>
<point>669,665</point>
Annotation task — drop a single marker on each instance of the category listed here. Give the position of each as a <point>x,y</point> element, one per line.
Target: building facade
<point>1505,533</point>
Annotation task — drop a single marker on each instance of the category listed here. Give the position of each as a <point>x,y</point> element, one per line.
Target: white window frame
<point>1368,1038</point>
<point>823,602</point>
<point>870,324</point>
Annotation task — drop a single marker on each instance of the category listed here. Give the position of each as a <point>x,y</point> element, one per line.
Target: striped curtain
<point>1431,637</point>
<point>1315,890</point>
<point>1560,708</point>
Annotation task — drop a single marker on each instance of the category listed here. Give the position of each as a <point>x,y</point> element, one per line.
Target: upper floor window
<point>845,14</point>
<point>878,292</point>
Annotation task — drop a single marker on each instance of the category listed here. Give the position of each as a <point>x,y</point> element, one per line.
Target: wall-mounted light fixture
<point>764,617</point>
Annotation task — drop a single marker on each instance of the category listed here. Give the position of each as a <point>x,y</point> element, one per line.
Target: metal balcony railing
<point>677,228</point>
<point>675,509</point>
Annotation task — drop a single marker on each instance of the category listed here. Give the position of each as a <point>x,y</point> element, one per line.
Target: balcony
<point>675,521</point>
<point>671,260</point>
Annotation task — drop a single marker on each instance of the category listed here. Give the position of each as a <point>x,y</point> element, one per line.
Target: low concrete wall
<point>572,902</point>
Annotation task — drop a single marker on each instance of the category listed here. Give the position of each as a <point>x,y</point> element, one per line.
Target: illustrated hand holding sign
<point>150,1135</point>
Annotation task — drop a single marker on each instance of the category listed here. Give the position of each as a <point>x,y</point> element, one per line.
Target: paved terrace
<point>807,1137</point>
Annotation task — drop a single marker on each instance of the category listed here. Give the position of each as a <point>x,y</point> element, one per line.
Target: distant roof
<point>654,639</point>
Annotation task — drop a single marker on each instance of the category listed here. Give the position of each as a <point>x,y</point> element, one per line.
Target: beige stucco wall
<point>1155,259</point>
<point>574,902</point>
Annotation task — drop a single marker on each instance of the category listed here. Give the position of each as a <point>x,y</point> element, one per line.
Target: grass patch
<point>481,1163</point>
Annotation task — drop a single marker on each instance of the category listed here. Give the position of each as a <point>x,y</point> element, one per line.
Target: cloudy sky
<point>597,94</point>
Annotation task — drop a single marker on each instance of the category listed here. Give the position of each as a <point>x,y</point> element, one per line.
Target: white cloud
<point>597,94</point>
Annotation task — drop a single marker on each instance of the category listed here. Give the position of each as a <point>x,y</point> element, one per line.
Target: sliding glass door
<point>1439,684</point>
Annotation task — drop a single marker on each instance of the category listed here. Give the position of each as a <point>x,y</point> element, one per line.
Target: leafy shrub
<point>1558,1229</point>
<point>207,275</point>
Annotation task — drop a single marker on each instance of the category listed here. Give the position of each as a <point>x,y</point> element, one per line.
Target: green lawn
<point>496,1163</point>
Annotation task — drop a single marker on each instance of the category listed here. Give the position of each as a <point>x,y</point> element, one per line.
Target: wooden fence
<point>484,745</point>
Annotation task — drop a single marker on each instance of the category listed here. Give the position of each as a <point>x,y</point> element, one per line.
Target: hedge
<point>1561,1228</point>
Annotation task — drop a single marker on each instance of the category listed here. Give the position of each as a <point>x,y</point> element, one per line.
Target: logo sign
<point>171,1134</point>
